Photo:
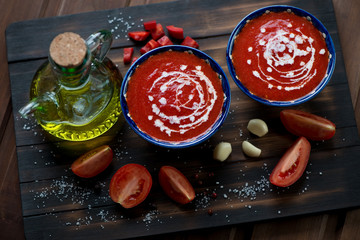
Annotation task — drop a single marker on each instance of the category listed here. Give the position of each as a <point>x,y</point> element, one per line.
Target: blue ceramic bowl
<point>198,53</point>
<point>299,12</point>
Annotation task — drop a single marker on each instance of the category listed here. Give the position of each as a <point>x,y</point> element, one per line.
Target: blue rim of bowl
<point>299,12</point>
<point>215,66</point>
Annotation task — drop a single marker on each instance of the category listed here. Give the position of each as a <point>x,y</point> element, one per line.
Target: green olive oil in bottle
<point>75,94</point>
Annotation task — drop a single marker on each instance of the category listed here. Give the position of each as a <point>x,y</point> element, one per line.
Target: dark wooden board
<point>56,204</point>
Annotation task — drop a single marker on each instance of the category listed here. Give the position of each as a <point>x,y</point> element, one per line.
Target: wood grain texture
<point>320,226</point>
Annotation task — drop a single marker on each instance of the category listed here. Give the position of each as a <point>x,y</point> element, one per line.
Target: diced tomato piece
<point>134,59</point>
<point>139,35</point>
<point>145,49</point>
<point>150,25</point>
<point>175,32</point>
<point>152,44</point>
<point>128,52</point>
<point>157,32</point>
<point>188,41</point>
<point>164,40</point>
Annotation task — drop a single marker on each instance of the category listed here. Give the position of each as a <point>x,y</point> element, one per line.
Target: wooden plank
<point>224,17</point>
<point>267,202</point>
<point>43,169</point>
<point>46,161</point>
<point>10,202</point>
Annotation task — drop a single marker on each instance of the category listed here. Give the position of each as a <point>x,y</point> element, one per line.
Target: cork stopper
<point>68,49</point>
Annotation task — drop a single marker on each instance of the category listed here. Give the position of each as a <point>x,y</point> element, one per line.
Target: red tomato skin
<point>152,44</point>
<point>176,185</point>
<point>164,40</point>
<point>158,32</point>
<point>188,41</point>
<point>139,35</point>
<point>309,125</point>
<point>150,25</point>
<point>145,49</point>
<point>134,59</point>
<point>300,147</point>
<point>93,162</point>
<point>128,52</point>
<point>121,188</point>
<point>175,32</point>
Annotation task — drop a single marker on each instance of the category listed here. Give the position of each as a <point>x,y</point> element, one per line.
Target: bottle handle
<point>99,44</point>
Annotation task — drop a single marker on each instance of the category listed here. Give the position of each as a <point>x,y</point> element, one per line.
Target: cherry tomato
<point>176,185</point>
<point>292,164</point>
<point>93,162</point>
<point>130,185</point>
<point>308,125</point>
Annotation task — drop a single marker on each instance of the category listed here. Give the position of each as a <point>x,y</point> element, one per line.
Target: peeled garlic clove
<point>257,127</point>
<point>222,151</point>
<point>250,150</point>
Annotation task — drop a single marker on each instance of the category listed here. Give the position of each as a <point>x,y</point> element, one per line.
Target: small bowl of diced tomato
<point>280,55</point>
<point>175,96</point>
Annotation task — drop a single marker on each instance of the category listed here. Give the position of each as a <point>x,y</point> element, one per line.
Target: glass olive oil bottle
<point>75,93</point>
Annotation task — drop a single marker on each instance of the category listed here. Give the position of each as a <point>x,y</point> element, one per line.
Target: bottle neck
<point>72,77</point>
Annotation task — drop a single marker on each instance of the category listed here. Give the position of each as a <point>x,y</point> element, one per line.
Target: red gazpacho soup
<point>175,96</point>
<point>280,56</point>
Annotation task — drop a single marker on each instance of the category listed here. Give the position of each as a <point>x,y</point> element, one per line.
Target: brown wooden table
<point>340,224</point>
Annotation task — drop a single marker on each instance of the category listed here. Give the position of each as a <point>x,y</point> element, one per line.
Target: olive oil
<point>76,103</point>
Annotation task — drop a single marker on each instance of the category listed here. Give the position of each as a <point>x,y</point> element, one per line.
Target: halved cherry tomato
<point>158,32</point>
<point>292,164</point>
<point>93,162</point>
<point>175,32</point>
<point>150,25</point>
<point>139,35</point>
<point>308,125</point>
<point>128,52</point>
<point>176,185</point>
<point>130,185</point>
<point>188,41</point>
<point>164,40</point>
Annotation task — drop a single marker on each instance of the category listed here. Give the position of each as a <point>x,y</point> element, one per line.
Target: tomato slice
<point>139,35</point>
<point>164,40</point>
<point>292,164</point>
<point>176,185</point>
<point>130,185</point>
<point>150,25</point>
<point>308,125</point>
<point>93,162</point>
<point>128,52</point>
<point>175,32</point>
<point>157,32</point>
<point>188,41</point>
